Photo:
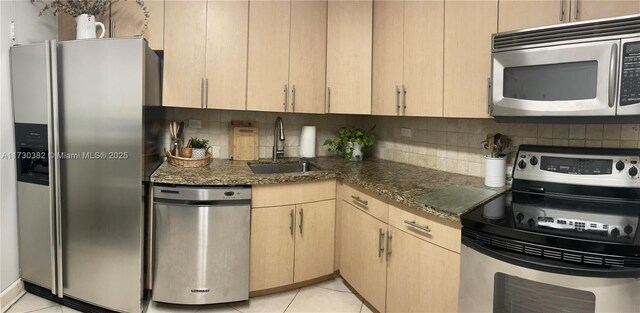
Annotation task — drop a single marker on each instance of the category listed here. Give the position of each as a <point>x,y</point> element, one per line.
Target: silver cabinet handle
<point>291,224</point>
<point>301,220</point>
<point>286,94</point>
<point>418,226</point>
<point>576,11</point>
<point>613,75</point>
<point>489,96</point>
<point>561,10</point>
<point>389,237</point>
<point>380,240</point>
<point>293,98</point>
<point>357,198</point>
<point>202,93</point>
<point>206,93</point>
<point>404,100</point>
<point>397,100</point>
<point>328,99</point>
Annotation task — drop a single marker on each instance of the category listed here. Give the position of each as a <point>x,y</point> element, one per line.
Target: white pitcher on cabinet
<point>86,27</point>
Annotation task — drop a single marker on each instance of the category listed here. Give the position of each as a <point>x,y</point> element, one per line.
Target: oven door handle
<point>549,265</point>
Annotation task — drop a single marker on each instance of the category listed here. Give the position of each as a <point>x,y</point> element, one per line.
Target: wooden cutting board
<point>243,141</point>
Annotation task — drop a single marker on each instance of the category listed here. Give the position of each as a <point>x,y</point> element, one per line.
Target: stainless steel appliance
<point>86,137</point>
<point>201,244</point>
<point>567,240</point>
<point>576,69</point>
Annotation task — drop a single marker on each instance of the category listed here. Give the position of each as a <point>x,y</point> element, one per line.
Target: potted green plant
<point>199,147</point>
<point>350,143</point>
<point>85,12</point>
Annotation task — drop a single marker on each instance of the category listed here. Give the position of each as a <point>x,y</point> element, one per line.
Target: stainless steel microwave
<point>578,69</point>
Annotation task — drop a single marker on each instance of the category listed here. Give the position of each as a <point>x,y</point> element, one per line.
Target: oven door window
<point>552,82</point>
<point>515,294</point>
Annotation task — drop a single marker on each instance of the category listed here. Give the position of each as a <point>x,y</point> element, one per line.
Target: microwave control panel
<point>630,78</point>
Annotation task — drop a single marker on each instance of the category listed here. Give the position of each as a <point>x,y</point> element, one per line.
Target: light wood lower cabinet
<point>362,254</point>
<point>421,277</point>
<point>314,242</point>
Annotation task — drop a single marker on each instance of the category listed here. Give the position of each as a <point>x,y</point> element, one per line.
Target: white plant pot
<point>198,152</point>
<point>357,151</point>
<point>86,26</point>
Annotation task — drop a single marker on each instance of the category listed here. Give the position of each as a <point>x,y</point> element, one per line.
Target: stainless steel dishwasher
<point>201,244</point>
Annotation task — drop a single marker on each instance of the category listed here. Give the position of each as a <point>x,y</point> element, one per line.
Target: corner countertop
<point>395,182</point>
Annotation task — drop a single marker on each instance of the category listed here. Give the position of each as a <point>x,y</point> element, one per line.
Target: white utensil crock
<point>86,27</point>
<point>494,175</point>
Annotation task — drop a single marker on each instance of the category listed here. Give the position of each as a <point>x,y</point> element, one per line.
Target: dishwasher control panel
<point>202,193</point>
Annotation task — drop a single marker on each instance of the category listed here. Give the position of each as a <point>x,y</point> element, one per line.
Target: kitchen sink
<point>273,168</point>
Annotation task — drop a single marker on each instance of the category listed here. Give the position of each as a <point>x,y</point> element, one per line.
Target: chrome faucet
<point>278,134</point>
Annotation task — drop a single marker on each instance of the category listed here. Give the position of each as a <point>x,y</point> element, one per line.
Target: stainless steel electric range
<point>563,239</point>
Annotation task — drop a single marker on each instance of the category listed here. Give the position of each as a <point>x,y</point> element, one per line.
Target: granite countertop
<point>396,182</point>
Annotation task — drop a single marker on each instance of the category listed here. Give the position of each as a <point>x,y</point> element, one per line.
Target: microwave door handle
<point>613,65</point>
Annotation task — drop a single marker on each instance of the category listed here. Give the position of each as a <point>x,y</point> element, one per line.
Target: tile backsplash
<point>447,144</point>
<point>215,127</point>
<point>453,145</point>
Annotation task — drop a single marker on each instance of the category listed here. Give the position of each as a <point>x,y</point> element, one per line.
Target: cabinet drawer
<point>441,232</point>
<point>284,194</point>
<point>376,208</point>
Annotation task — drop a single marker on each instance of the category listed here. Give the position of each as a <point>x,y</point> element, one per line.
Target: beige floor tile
<point>336,284</point>
<point>313,299</point>
<point>271,303</point>
<point>156,307</point>
<point>365,309</point>
<point>51,309</point>
<point>69,310</point>
<point>29,303</point>
<point>217,308</point>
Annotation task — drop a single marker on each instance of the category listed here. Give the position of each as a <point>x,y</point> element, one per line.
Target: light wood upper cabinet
<point>184,53</point>
<point>226,58</point>
<point>583,10</point>
<point>127,19</point>
<point>388,44</point>
<point>519,14</point>
<point>349,46</point>
<point>308,56</point>
<point>314,242</point>
<point>430,287</point>
<point>362,254</point>
<point>467,56</point>
<point>423,58</point>
<point>272,247</point>
<point>268,72</point>
<point>407,58</point>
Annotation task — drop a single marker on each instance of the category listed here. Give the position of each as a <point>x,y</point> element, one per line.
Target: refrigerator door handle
<point>52,196</point>
<point>56,166</point>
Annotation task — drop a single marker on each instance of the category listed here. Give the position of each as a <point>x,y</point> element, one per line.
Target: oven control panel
<point>580,169</point>
<point>630,76</point>
<point>610,227</point>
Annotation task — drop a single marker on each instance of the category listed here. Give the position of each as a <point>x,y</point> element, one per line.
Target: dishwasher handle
<point>217,193</point>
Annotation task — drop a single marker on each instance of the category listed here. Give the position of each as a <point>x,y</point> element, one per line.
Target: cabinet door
<point>582,10</point>
<point>272,251</point>
<point>268,77</point>
<point>388,23</point>
<point>314,241</point>
<point>308,60</point>
<point>67,26</point>
<point>227,30</point>
<point>519,14</point>
<point>127,19</point>
<point>184,53</point>
<point>423,53</point>
<point>362,263</point>
<point>467,56</point>
<point>349,40</point>
<point>421,277</point>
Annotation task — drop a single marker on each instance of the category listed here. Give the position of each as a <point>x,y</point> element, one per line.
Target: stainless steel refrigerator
<point>86,139</point>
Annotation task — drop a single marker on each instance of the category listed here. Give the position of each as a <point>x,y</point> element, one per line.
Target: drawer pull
<point>418,226</point>
<point>357,198</point>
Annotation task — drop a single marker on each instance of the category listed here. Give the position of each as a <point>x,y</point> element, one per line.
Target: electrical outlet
<point>405,132</point>
<point>195,124</point>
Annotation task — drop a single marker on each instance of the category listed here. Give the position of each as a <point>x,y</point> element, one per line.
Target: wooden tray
<point>188,162</point>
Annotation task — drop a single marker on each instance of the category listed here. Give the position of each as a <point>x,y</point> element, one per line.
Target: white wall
<point>29,27</point>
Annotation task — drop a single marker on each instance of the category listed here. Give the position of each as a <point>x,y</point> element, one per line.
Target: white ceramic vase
<point>357,151</point>
<point>86,27</point>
